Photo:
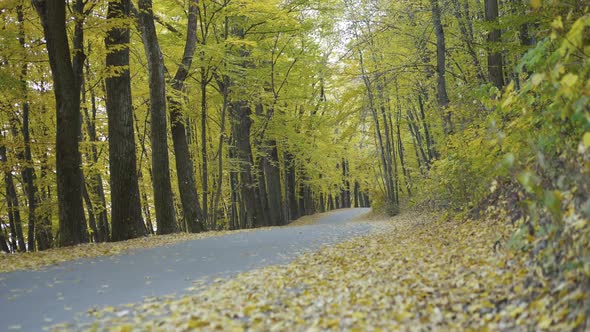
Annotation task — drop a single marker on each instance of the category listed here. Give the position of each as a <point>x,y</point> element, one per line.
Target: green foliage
<point>532,151</point>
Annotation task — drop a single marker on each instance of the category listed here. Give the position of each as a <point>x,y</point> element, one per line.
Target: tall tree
<point>441,82</point>
<point>163,199</point>
<point>12,203</point>
<point>28,172</point>
<point>66,88</point>
<point>126,217</point>
<point>495,64</point>
<point>187,186</point>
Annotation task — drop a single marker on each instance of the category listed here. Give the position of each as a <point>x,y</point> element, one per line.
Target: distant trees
<point>420,72</point>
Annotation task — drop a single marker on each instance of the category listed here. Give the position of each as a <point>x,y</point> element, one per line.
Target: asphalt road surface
<point>33,300</point>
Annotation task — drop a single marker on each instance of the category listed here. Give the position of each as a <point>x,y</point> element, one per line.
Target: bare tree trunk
<point>383,152</point>
<point>415,131</point>
<point>205,180</point>
<point>28,172</point>
<point>67,95</point>
<point>356,194</point>
<point>234,222</point>
<point>441,83</point>
<point>272,174</point>
<point>126,215</point>
<point>241,123</point>
<point>462,19</point>
<point>163,199</point>
<point>495,65</point>
<point>96,183</point>
<point>187,185</point>
<point>3,244</point>
<point>95,236</point>
<point>430,146</point>
<point>222,137</point>
<point>290,186</point>
<point>44,229</point>
<point>12,203</point>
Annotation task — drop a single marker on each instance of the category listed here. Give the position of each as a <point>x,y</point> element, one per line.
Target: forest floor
<point>415,273</point>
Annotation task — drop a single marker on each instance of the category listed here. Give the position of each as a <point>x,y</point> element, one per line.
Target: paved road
<point>31,300</point>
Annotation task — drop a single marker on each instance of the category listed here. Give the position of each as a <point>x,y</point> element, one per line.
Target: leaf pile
<point>413,274</point>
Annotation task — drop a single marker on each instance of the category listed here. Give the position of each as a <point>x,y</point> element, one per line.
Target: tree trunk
<point>163,199</point>
<point>415,132</point>
<point>234,222</point>
<point>205,180</point>
<point>383,153</point>
<point>441,83</point>
<point>222,136</point>
<point>290,186</point>
<point>67,95</point>
<point>241,123</point>
<point>44,230</point>
<point>273,184</point>
<point>356,194</point>
<point>95,236</point>
<point>330,203</point>
<point>462,19</point>
<point>3,244</point>
<point>495,66</point>
<point>263,206</point>
<point>12,203</point>
<point>96,183</point>
<point>28,172</point>
<point>430,146</point>
<point>126,216</point>
<point>187,185</point>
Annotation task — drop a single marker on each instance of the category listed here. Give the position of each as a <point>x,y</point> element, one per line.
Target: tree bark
<point>3,244</point>
<point>272,174</point>
<point>12,203</point>
<point>495,65</point>
<point>28,172</point>
<point>441,83</point>
<point>383,153</point>
<point>204,143</point>
<point>67,95</point>
<point>95,236</point>
<point>462,19</point>
<point>187,185</point>
<point>290,186</point>
<point>163,199</point>
<point>241,123</point>
<point>223,88</point>
<point>96,183</point>
<point>126,216</point>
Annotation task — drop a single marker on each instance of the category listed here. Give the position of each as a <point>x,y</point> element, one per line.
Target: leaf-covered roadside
<point>414,274</point>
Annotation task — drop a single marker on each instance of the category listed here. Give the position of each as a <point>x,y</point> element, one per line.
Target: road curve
<point>32,300</point>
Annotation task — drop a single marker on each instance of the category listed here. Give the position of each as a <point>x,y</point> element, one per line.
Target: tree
<point>441,82</point>
<point>126,217</point>
<point>495,64</point>
<point>165,213</point>
<point>66,88</point>
<point>187,186</point>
